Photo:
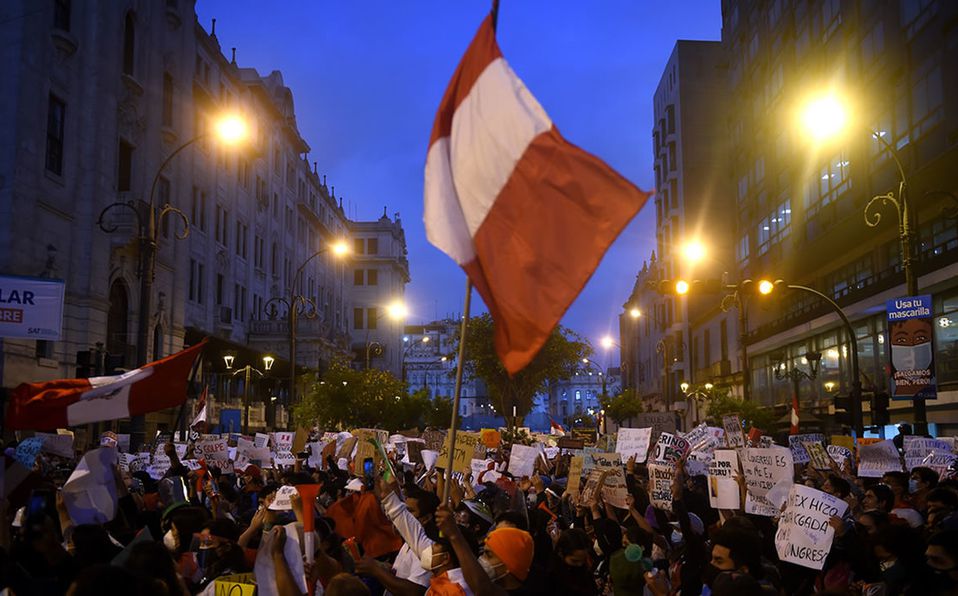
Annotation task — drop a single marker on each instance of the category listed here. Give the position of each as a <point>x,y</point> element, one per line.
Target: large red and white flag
<point>68,402</point>
<point>199,423</point>
<point>527,214</point>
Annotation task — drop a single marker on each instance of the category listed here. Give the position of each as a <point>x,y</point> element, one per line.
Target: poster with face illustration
<point>911,348</point>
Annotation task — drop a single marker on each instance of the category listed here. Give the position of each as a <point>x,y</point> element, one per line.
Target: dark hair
<point>513,518</point>
<point>107,579</point>
<point>944,496</point>
<point>948,540</point>
<point>839,485</point>
<point>428,501</point>
<point>897,479</point>
<point>885,496</point>
<point>92,546</point>
<point>344,584</point>
<point>223,528</point>
<point>636,535</point>
<point>150,561</point>
<point>187,521</point>
<point>744,547</point>
<point>926,475</point>
<point>571,540</point>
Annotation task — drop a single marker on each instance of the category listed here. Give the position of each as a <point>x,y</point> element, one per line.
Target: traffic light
<point>681,287</point>
<point>879,403</point>
<point>758,287</point>
<point>843,410</point>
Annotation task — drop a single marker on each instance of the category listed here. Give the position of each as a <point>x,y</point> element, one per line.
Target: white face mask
<point>495,572</point>
<point>169,540</point>
<point>430,562</point>
<point>912,357</point>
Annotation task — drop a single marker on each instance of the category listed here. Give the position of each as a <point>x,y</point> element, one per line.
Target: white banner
<point>876,459</point>
<point>723,488</point>
<point>633,441</point>
<point>768,476</point>
<point>804,536</point>
<point>30,307</point>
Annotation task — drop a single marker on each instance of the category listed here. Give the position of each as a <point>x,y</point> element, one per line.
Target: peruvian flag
<point>69,402</point>
<point>794,415</point>
<point>527,214</point>
<point>199,423</point>
<point>556,428</point>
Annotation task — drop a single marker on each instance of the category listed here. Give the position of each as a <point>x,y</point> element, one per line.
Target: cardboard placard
<point>433,439</point>
<point>818,456</point>
<point>918,448</point>
<point>723,488</point>
<point>804,536</point>
<point>575,475</point>
<point>660,485</point>
<point>633,441</point>
<point>522,460</point>
<point>768,476</point>
<point>669,449</point>
<point>213,450</point>
<point>799,455</point>
<point>614,490</point>
<point>591,486</point>
<point>570,443</point>
<point>876,459</point>
<point>464,452</point>
<point>843,441</point>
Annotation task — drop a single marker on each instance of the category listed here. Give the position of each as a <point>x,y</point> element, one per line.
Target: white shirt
<point>407,564</point>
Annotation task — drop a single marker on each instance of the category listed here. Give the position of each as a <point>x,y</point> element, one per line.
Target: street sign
<point>31,307</point>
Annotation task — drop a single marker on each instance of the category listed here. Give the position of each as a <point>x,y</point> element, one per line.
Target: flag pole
<point>454,423</point>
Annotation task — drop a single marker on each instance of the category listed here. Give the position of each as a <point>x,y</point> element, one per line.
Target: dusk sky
<point>367,78</point>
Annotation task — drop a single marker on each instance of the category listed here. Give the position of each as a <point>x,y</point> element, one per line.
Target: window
<point>927,99</point>
<point>372,277</point>
<point>873,44</point>
<point>358,246</point>
<point>242,233</point>
<point>274,260</point>
<point>56,112</point>
<point>916,13</point>
<point>670,118</point>
<point>258,251</point>
<point>707,348</point>
<point>61,15</point>
<point>194,281</point>
<point>723,334</point>
<point>198,210</point>
<point>217,223</point>
<point>742,187</point>
<point>831,18</point>
<point>372,319</point>
<point>851,277</point>
<point>275,206</point>
<point>239,301</point>
<point>219,289</point>
<point>124,169</point>
<point>833,181</point>
<point>358,277</point>
<point>741,250</point>
<point>774,227</point>
<point>129,44</point>
<point>167,99</point>
<point>163,194</point>
<point>372,246</point>
<point>672,160</point>
<point>357,318</point>
<point>157,342</point>
<point>43,349</point>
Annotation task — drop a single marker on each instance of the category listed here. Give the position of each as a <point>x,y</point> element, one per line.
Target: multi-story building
<point>103,105</point>
<point>667,338</point>
<point>802,208</point>
<point>380,274</point>
<point>581,394</point>
<point>429,362</point>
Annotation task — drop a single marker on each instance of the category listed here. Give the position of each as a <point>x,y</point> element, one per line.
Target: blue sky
<point>367,78</point>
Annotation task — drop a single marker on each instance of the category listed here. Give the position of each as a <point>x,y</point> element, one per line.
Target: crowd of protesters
<point>391,532</point>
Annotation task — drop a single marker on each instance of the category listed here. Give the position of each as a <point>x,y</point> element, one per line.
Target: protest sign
<point>90,493</point>
<point>284,458</point>
<point>522,460</point>
<point>697,463</point>
<point>345,450</point>
<point>570,443</point>
<point>364,447</point>
<point>804,536</point>
<point>414,452</point>
<point>659,422</point>
<point>768,476</point>
<point>734,435</point>
<point>699,437</point>
<point>939,461</point>
<point>917,448</point>
<point>239,584</point>
<point>591,486</point>
<point>213,450</point>
<point>575,475</point>
<point>433,439</point>
<point>282,502</point>
<point>429,458</point>
<point>669,449</point>
<point>843,441</point>
<point>606,460</point>
<point>818,456</point>
<point>660,485</point>
<point>876,459</point>
<point>799,455</point>
<point>839,454</point>
<point>283,441</point>
<point>261,440</point>
<point>633,441</point>
<point>478,466</point>
<point>490,438</point>
<point>723,488</point>
<point>463,453</point>
<point>58,444</point>
<point>194,465</point>
<point>614,490</point>
<point>299,440</point>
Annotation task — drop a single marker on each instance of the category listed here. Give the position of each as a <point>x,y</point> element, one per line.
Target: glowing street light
<point>765,287</point>
<point>268,362</point>
<point>397,310</point>
<point>340,248</point>
<point>693,251</point>
<point>635,313</point>
<point>824,117</point>
<point>681,287</point>
<point>607,342</point>
<point>231,129</point>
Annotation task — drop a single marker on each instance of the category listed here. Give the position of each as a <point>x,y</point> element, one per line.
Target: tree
<point>751,413</point>
<point>623,406</point>
<point>557,360</point>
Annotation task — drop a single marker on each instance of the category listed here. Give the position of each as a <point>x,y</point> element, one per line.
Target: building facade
<point>106,104</point>
<point>668,339</point>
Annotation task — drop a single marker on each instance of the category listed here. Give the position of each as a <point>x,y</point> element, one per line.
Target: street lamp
<point>229,358</point>
<point>396,311</point>
<point>785,372</point>
<point>409,345</point>
<point>695,394</point>
<point>825,117</point>
<point>635,313</point>
<point>297,304</point>
<point>231,130</point>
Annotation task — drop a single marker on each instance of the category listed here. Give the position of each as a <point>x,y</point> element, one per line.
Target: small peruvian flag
<point>795,419</point>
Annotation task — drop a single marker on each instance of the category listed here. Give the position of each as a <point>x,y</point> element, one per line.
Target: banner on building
<point>911,348</point>
<point>31,307</point>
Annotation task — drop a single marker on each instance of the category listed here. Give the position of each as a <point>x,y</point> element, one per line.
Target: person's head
<point>879,497</point>
<point>735,549</point>
<point>511,519</point>
<point>837,486</point>
<point>180,525</point>
<point>893,541</point>
<point>922,479</point>
<point>941,554</point>
<point>440,556</point>
<point>219,550</point>
<point>639,537</point>
<point>573,547</point>
<point>344,584</point>
<point>508,555</point>
<point>475,516</point>
<point>92,545</point>
<point>106,579</point>
<point>152,562</point>
<point>940,503</point>
<point>898,482</point>
<point>869,523</point>
<point>422,504</point>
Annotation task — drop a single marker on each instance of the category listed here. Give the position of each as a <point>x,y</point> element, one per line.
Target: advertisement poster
<point>911,348</point>
<point>31,307</point>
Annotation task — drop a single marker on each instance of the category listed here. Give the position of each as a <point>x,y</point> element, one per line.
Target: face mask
<point>709,575</point>
<point>633,553</point>
<point>676,537</point>
<point>532,499</point>
<point>597,548</point>
<point>169,540</point>
<point>206,558</point>
<point>495,572</point>
<point>912,486</point>
<point>430,562</point>
<point>911,357</point>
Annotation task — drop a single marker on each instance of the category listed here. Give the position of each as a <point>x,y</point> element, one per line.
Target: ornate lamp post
<point>783,371</point>
<point>229,358</point>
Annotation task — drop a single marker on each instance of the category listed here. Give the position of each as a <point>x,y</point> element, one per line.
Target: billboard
<point>30,307</point>
<point>911,348</point>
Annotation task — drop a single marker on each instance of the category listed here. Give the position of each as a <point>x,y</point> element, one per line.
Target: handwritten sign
<point>876,459</point>
<point>659,422</point>
<point>843,441</point>
<point>283,441</point>
<point>606,460</point>
<point>633,441</point>
<point>261,440</point>
<point>939,462</point>
<point>804,536</point>
<point>660,485</point>
<point>575,475</point>
<point>58,444</point>
<point>522,460</point>
<point>282,501</point>
<point>840,455</point>
<point>818,456</point>
<point>614,490</point>
<point>591,486</point>
<point>433,439</point>
<point>799,455</point>
<point>734,433</point>
<point>669,449</point>
<point>723,488</point>
<point>463,453</point>
<point>284,458</point>
<point>768,476</point>
<point>917,448</point>
<point>213,450</point>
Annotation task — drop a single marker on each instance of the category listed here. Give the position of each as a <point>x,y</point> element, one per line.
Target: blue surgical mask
<point>912,486</point>
<point>916,357</point>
